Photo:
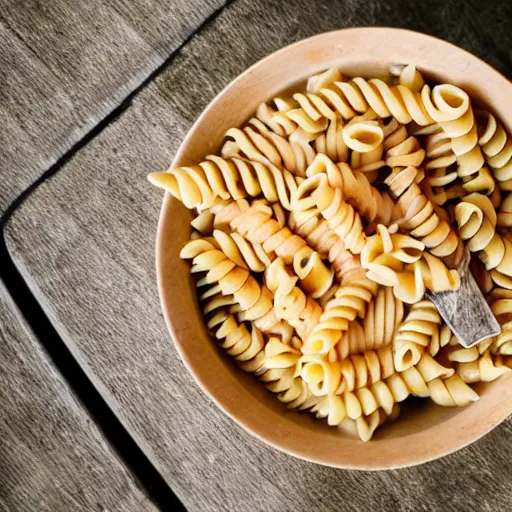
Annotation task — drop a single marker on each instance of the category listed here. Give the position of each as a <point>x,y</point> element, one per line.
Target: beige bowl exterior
<point>424,433</point>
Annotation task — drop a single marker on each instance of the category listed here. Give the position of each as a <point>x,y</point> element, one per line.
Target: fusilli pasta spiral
<point>257,225</point>
<point>371,204</point>
<point>257,143</point>
<point>349,301</point>
<point>416,333</point>
<point>420,216</point>
<point>230,178</point>
<point>347,99</point>
<point>290,302</point>
<point>497,148</point>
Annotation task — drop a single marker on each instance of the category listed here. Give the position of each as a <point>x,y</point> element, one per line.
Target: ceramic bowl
<point>422,433</point>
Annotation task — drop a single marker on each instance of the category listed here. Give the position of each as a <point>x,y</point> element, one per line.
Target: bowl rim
<point>169,202</point>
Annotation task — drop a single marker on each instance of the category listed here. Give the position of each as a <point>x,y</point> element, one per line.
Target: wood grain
<point>52,456</point>
<point>66,64</point>
<point>85,243</point>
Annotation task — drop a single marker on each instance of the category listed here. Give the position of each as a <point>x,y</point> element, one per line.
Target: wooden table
<point>97,411</point>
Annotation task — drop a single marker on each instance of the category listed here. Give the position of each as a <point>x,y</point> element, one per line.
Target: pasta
<point>311,226</point>
<point>349,301</point>
<point>399,261</point>
<point>341,216</point>
<point>420,216</point>
<point>323,223</point>
<point>257,143</point>
<point>415,334</point>
<point>496,146</point>
<point>372,204</point>
<point>257,225</point>
<point>231,178</point>
<point>290,302</point>
<point>347,99</point>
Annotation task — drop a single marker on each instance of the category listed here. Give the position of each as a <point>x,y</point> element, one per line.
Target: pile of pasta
<point>323,223</point>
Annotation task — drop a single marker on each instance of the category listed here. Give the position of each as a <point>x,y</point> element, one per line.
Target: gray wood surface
<point>52,456</point>
<point>84,241</point>
<point>65,64</point>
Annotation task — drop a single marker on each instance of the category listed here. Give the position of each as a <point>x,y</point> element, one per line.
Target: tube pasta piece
<point>415,334</point>
<point>420,216</point>
<point>290,302</point>
<point>496,146</point>
<point>341,216</point>
<point>259,144</point>
<point>348,99</point>
<point>311,226</point>
<point>226,178</point>
<point>349,301</point>
<point>371,204</point>
<point>257,225</point>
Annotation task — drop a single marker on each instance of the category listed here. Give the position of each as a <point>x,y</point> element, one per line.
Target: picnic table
<point>97,412</point>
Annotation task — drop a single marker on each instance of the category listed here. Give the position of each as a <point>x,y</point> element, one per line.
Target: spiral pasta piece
<point>373,205</point>
<point>257,225</point>
<point>383,316</point>
<point>341,216</point>
<point>504,218</point>
<point>246,347</point>
<point>349,301</point>
<point>484,369</point>
<point>420,216</point>
<point>311,226</point>
<point>256,301</point>
<point>250,256</point>
<point>290,302</point>
<point>347,99</point>
<point>273,115</point>
<point>402,149</point>
<point>477,221</point>
<point>259,144</point>
<point>496,146</point>
<point>399,261</point>
<point>226,178</point>
<point>331,142</point>
<point>500,300</point>
<point>451,108</point>
<point>415,334</point>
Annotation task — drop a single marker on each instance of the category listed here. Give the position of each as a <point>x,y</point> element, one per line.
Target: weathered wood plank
<point>85,240</point>
<point>66,64</point>
<point>52,456</point>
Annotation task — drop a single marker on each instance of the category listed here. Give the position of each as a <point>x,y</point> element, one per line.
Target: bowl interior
<point>424,431</point>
